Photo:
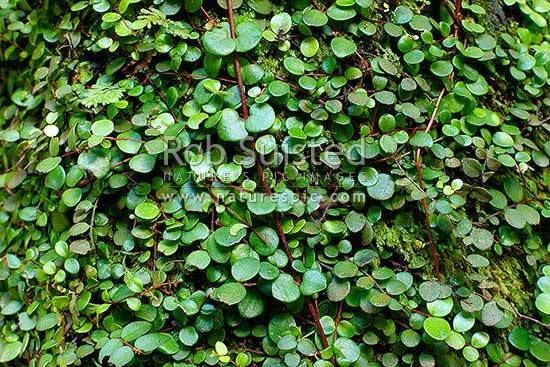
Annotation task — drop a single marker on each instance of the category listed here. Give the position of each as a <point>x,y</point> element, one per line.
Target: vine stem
<point>338,317</point>
<point>455,13</point>
<point>423,201</point>
<point>92,219</point>
<point>242,92</point>
<point>312,306</point>
<point>547,326</point>
<point>506,357</point>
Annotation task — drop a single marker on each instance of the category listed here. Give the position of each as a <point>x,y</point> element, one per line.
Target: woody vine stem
<point>312,305</point>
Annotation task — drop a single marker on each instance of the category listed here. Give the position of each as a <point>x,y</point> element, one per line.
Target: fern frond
<point>154,16</point>
<point>101,95</point>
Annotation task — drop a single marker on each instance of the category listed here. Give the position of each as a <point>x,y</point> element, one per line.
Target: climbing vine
<point>260,183</point>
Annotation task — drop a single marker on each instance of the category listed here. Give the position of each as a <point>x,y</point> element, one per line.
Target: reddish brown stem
<point>213,220</point>
<point>242,92</point>
<point>455,13</point>
<point>312,306</point>
<point>423,201</point>
<point>458,11</point>
<point>338,314</point>
<point>205,13</point>
<point>506,357</point>
<point>338,317</point>
<point>69,153</point>
<point>314,311</point>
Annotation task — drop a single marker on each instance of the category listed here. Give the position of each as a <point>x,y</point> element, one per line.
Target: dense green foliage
<point>377,200</point>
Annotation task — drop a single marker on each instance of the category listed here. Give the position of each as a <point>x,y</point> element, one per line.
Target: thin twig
<point>547,326</point>
<point>455,13</point>
<point>205,13</point>
<point>382,290</point>
<point>434,113</point>
<point>69,153</point>
<point>92,219</point>
<point>506,357</point>
<point>423,201</point>
<point>338,317</point>
<point>242,92</point>
<point>213,220</point>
